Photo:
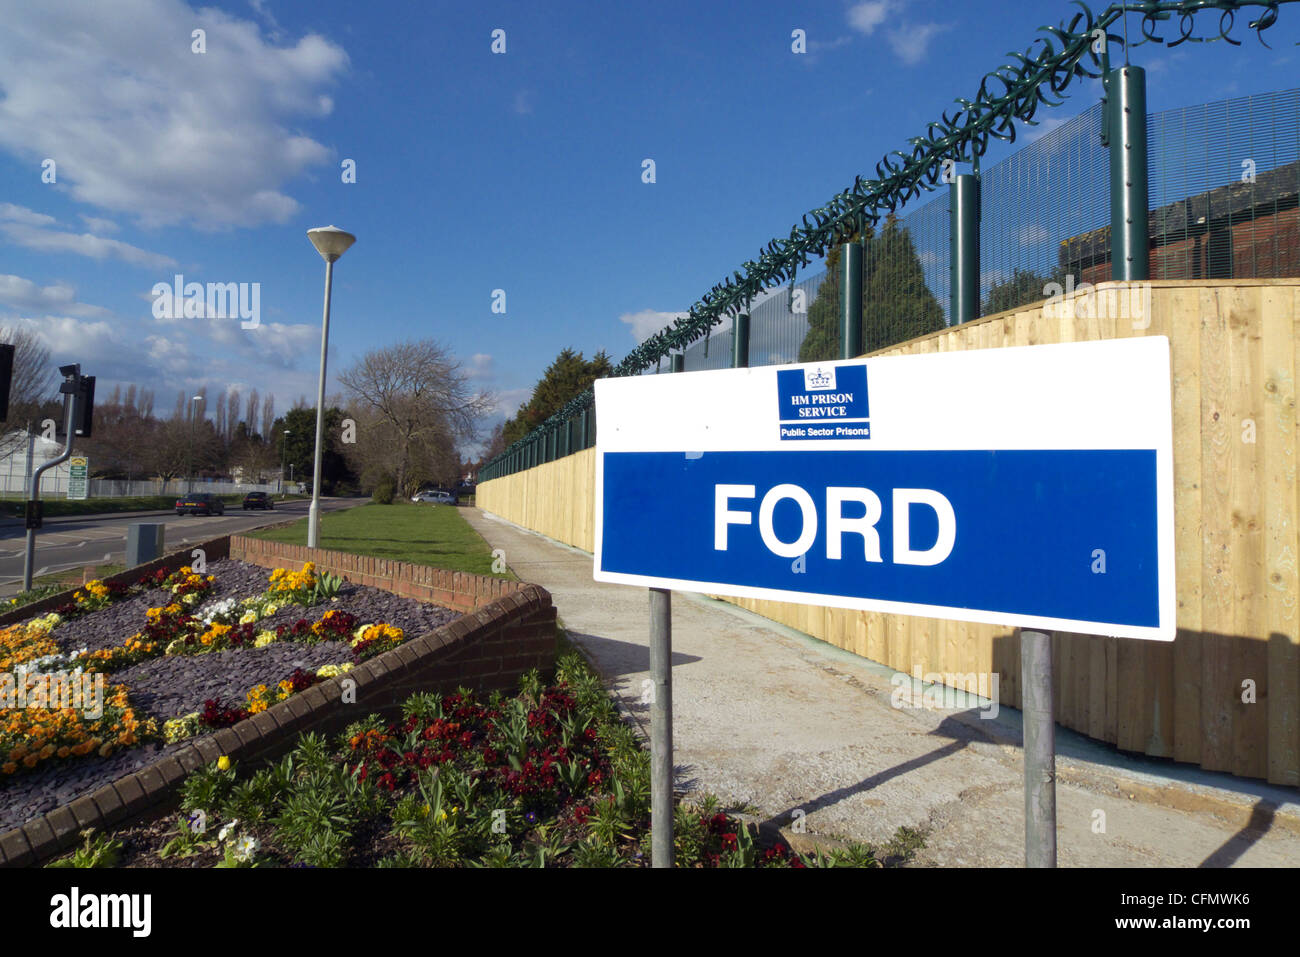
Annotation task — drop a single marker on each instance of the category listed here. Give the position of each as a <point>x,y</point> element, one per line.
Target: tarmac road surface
<point>74,541</point>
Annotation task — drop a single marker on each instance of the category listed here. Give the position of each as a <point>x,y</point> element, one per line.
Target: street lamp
<point>284,444</point>
<point>331,242</point>
<point>193,419</point>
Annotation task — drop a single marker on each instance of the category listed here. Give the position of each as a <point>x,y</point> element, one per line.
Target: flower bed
<point>169,650</point>
<point>547,777</point>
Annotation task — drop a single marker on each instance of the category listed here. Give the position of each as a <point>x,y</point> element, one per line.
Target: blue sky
<point>475,171</point>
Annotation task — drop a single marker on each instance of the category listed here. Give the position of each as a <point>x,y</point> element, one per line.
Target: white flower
<point>227,829</point>
<point>245,848</point>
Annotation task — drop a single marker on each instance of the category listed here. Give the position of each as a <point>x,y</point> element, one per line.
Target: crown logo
<point>819,378</point>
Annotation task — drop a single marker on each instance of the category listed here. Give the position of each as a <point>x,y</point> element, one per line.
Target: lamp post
<point>193,419</point>
<point>284,444</point>
<point>331,242</point>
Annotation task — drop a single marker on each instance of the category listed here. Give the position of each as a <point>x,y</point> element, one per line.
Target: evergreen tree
<point>1024,287</point>
<point>896,303</point>
<point>568,376</point>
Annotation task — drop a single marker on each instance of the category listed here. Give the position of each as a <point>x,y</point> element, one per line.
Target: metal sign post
<point>1039,748</point>
<point>661,728</point>
<point>33,502</point>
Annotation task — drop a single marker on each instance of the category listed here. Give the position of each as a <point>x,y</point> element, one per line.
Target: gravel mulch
<point>169,687</point>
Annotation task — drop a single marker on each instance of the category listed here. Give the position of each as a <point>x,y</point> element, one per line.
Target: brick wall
<point>508,628</point>
<point>459,590</point>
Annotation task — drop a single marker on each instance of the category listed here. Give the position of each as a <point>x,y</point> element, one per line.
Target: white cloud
<point>140,124</point>
<point>865,17</point>
<point>647,322</point>
<point>821,46</point>
<point>1046,124</point>
<point>912,43</point>
<point>21,214</point>
<point>82,244</point>
<point>24,295</point>
<point>1034,234</point>
<point>99,225</point>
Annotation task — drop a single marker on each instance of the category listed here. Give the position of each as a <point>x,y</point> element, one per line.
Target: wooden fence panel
<point>1235,355</point>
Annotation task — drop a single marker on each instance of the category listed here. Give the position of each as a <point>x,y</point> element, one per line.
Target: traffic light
<point>6,377</point>
<point>85,398</point>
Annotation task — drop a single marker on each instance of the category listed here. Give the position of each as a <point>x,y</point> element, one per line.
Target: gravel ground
<point>168,687</point>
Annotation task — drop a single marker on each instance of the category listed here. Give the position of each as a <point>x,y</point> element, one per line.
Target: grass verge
<point>434,535</point>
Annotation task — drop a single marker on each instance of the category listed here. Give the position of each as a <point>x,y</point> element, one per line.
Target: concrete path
<point>777,722</point>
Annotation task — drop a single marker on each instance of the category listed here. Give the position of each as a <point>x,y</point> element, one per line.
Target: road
<point>75,541</point>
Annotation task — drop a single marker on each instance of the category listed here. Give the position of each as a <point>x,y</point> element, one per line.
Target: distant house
<point>1237,231</point>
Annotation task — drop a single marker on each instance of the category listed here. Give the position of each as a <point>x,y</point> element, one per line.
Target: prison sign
<point>1025,486</point>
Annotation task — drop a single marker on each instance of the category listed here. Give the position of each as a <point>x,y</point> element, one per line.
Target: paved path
<point>772,719</point>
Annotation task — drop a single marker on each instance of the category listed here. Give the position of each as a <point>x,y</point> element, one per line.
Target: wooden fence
<point>1226,693</point>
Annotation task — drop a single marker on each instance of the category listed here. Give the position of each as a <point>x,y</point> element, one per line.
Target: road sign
<point>1028,486</point>
<point>78,473</point>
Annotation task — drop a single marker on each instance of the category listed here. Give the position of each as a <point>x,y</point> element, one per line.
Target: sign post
<point>78,473</point>
<point>918,485</point>
<point>1040,748</point>
<point>661,728</point>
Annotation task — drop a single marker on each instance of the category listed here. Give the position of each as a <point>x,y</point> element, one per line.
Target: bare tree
<point>268,418</point>
<point>250,415</point>
<point>31,387</point>
<point>415,402</point>
<point>220,413</point>
<point>232,415</point>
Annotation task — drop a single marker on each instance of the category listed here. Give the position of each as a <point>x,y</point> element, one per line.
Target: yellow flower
<point>223,763</point>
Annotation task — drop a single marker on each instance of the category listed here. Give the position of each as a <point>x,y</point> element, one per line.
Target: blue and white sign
<point>1028,486</point>
<point>824,401</point>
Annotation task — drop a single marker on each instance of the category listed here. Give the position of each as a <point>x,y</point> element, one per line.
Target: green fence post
<point>1126,131</point>
<point>740,342</point>
<point>582,428</point>
<point>964,247</point>
<point>851,302</point>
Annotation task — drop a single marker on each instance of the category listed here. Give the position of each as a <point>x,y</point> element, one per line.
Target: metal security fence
<point>1219,181</point>
<point>1224,182</point>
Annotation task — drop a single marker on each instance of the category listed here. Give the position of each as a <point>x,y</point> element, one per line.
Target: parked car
<point>258,500</point>
<point>436,496</point>
<point>200,503</point>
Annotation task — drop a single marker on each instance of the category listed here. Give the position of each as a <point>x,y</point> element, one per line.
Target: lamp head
<point>330,241</point>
